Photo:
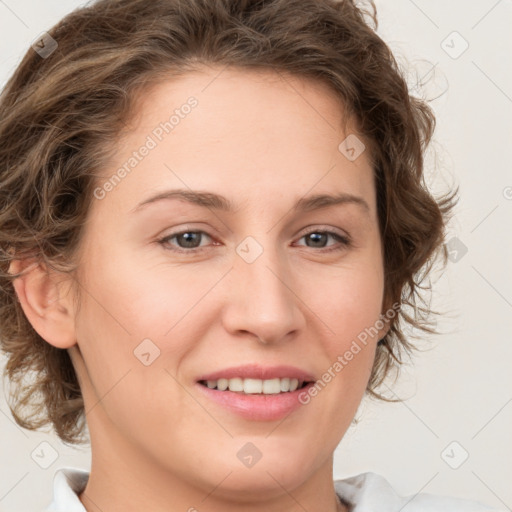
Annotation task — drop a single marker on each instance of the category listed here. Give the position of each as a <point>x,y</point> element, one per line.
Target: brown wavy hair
<point>61,116</point>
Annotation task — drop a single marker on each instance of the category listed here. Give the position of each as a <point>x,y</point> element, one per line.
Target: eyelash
<point>343,240</point>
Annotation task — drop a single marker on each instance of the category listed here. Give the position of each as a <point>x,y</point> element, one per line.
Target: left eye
<point>188,241</point>
<point>318,237</point>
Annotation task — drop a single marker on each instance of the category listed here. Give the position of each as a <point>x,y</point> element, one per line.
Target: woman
<point>214,230</point>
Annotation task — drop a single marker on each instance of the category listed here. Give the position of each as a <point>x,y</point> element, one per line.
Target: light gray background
<point>460,390</point>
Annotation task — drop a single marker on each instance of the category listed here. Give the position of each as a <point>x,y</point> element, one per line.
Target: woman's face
<point>182,290</point>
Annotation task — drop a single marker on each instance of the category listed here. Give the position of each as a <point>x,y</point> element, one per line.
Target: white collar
<point>68,483</point>
<point>370,492</point>
<point>366,492</point>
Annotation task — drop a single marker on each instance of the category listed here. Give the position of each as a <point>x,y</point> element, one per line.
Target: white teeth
<point>236,384</point>
<point>255,386</point>
<point>271,387</point>
<point>222,384</point>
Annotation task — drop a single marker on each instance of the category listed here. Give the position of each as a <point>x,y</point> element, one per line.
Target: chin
<point>249,485</point>
<point>262,466</point>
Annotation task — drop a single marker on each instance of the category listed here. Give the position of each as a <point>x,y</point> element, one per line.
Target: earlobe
<point>384,331</point>
<point>386,317</point>
<point>40,296</point>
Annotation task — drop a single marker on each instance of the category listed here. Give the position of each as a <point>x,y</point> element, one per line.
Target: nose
<point>262,300</point>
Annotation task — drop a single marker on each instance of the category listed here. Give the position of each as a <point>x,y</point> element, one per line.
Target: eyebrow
<point>214,201</point>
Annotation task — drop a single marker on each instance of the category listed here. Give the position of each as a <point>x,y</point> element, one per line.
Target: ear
<point>385,329</point>
<point>46,301</point>
<point>389,312</point>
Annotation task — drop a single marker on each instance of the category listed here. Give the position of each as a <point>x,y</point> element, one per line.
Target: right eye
<point>187,241</point>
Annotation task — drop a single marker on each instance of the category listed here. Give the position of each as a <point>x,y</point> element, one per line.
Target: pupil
<point>316,237</point>
<point>189,238</point>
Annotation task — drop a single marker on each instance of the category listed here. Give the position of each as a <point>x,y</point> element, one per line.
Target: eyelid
<point>325,229</point>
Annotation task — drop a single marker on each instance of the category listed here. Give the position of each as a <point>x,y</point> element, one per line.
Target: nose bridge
<point>261,300</point>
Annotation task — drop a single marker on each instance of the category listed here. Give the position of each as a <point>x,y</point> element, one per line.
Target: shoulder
<point>68,483</point>
<point>370,491</point>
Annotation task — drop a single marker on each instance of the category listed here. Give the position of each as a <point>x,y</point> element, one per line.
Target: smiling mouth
<point>256,386</point>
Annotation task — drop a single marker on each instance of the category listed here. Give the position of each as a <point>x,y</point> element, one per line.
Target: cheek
<point>349,307</point>
<point>349,304</point>
<point>143,295</point>
<point>128,357</point>
<point>137,311</point>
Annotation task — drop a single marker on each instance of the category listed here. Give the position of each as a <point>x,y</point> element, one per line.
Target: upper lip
<point>254,371</point>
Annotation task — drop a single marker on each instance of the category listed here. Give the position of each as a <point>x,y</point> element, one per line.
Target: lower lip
<point>257,407</point>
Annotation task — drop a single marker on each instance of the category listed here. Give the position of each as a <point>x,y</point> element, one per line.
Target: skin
<point>263,140</point>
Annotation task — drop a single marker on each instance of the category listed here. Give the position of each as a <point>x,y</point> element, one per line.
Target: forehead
<point>240,133</point>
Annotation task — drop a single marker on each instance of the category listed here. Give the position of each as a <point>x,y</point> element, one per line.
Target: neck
<point>123,478</point>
